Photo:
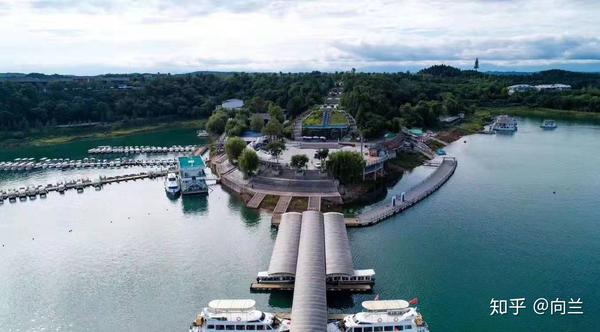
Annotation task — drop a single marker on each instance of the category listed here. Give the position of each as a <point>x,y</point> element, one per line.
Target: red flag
<point>414,301</point>
<point>376,298</point>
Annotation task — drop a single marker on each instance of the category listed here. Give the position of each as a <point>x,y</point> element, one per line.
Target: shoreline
<point>105,132</point>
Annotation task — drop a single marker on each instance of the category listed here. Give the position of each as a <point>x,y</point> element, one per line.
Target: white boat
<point>505,123</point>
<point>384,315</point>
<point>172,186</point>
<point>202,133</point>
<point>549,124</point>
<point>236,315</point>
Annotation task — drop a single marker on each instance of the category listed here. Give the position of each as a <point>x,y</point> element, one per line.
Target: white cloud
<point>95,36</point>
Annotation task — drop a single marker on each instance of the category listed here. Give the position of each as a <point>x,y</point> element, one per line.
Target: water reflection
<point>281,300</point>
<point>194,204</point>
<point>340,300</point>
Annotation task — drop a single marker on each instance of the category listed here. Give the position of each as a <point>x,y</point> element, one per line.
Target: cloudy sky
<point>99,36</point>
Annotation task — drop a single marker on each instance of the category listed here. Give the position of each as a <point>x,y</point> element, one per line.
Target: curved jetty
<point>417,193</point>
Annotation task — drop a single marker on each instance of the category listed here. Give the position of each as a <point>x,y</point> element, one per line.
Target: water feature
<point>518,219</point>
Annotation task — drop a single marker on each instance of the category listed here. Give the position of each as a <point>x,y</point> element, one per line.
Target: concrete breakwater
<point>411,197</point>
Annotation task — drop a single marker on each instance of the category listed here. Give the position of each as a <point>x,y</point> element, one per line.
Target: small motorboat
<point>548,124</point>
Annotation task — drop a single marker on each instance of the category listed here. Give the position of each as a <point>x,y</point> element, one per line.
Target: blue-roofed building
<point>192,175</point>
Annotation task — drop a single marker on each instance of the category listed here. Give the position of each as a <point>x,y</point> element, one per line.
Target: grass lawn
<point>314,119</point>
<point>269,202</point>
<point>338,118</point>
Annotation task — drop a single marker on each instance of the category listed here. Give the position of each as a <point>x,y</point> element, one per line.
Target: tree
<point>299,161</point>
<point>273,128</point>
<point>346,166</point>
<point>476,67</point>
<point>234,147</point>
<point>248,162</point>
<point>216,123</point>
<point>256,123</point>
<point>275,148</point>
<point>322,154</point>
<point>275,112</point>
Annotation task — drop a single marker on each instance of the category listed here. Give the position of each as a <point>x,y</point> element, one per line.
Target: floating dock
<point>32,192</point>
<point>31,164</point>
<point>272,287</point>
<point>105,149</point>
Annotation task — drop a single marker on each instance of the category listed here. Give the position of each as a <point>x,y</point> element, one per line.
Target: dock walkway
<point>282,204</point>
<point>428,186</point>
<point>314,203</point>
<point>255,201</point>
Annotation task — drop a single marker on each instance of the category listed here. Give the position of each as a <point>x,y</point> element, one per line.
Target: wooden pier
<point>314,203</point>
<point>255,201</point>
<point>285,287</point>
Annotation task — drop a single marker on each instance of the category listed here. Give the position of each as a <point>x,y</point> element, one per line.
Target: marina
<point>106,149</point>
<point>31,164</point>
<point>156,234</point>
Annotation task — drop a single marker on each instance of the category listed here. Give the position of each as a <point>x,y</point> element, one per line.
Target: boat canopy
<point>285,251</point>
<point>385,305</point>
<point>231,305</point>
<point>338,257</point>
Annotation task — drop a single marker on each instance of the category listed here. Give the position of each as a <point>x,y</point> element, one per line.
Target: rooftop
<point>231,305</point>
<point>385,305</point>
<point>191,162</point>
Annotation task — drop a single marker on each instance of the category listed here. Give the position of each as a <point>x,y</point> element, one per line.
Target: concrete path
<point>255,201</point>
<point>282,204</point>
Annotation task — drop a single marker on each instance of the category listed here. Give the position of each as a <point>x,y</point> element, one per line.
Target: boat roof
<point>385,305</point>
<point>231,305</point>
<point>192,162</point>
<point>363,273</point>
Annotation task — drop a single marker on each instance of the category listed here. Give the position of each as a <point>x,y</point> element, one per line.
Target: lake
<point>519,219</point>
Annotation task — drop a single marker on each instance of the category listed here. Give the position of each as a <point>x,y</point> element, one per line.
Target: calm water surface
<point>137,260</point>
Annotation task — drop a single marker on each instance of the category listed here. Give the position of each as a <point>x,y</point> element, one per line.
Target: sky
<point>120,36</point>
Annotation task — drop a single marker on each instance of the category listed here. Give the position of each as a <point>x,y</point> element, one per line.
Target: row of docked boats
<point>106,149</point>
<point>30,164</point>
<point>242,315</point>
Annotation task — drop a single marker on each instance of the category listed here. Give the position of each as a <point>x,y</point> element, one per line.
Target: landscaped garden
<point>338,118</point>
<point>314,119</point>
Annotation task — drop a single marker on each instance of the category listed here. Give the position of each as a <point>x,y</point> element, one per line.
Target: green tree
<point>275,148</point>
<point>234,147</point>
<point>275,112</point>
<point>248,162</point>
<point>299,161</point>
<point>322,154</point>
<point>256,123</point>
<point>346,166</point>
<point>216,123</point>
<point>273,129</point>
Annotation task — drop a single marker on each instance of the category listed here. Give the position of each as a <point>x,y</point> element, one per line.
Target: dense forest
<point>27,105</point>
<point>389,100</point>
<point>379,101</point>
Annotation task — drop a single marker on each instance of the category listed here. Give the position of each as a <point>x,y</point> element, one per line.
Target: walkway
<point>314,203</point>
<point>282,204</point>
<point>432,183</point>
<point>255,201</point>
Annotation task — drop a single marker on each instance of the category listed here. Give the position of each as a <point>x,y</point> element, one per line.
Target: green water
<point>496,229</point>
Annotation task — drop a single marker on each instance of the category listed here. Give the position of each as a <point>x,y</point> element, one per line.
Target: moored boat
<point>384,315</point>
<point>548,124</point>
<point>172,186</point>
<point>505,123</point>
<point>236,315</point>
